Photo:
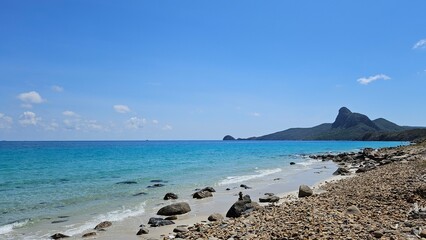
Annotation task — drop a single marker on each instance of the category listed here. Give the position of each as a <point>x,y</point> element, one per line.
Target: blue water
<point>42,181</point>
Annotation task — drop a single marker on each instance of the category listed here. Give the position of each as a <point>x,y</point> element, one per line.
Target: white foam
<point>308,162</point>
<point>9,227</point>
<point>237,179</point>
<point>117,215</point>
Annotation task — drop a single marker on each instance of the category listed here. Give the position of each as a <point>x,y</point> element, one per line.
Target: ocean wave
<point>117,215</point>
<point>260,173</point>
<point>308,162</point>
<point>9,227</point>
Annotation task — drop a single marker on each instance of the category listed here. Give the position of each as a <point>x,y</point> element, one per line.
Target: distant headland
<point>348,126</point>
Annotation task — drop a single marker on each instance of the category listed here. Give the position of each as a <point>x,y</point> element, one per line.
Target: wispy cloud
<point>135,123</point>
<point>255,114</point>
<point>121,108</point>
<point>29,98</point>
<point>57,88</point>
<point>420,44</point>
<point>70,114</point>
<point>154,121</point>
<point>367,80</point>
<point>5,121</point>
<point>167,127</point>
<point>28,118</point>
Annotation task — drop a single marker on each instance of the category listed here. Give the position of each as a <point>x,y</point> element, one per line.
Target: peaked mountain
<point>348,126</point>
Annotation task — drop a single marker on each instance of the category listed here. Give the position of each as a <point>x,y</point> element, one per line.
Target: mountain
<point>349,126</point>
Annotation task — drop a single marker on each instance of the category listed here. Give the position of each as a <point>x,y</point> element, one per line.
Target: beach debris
<point>342,171</point>
<point>174,209</point>
<point>127,182</point>
<point>170,195</point>
<point>202,194</point>
<point>103,225</point>
<point>159,222</point>
<point>215,217</point>
<point>241,207</point>
<point>305,191</point>
<point>59,236</point>
<point>90,234</point>
<point>143,230</point>
<point>209,189</point>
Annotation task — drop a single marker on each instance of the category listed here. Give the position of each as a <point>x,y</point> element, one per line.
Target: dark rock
<point>292,163</point>
<point>305,191</point>
<point>170,196</point>
<point>241,207</point>
<point>157,185</point>
<point>158,222</point>
<point>269,199</point>
<point>342,171</point>
<point>215,217</point>
<point>276,179</point>
<point>171,218</point>
<point>227,189</point>
<point>103,225</point>
<point>90,234</point>
<point>228,138</point>
<point>269,194</point>
<point>59,236</point>
<point>59,221</point>
<point>245,186</point>
<point>63,216</point>
<point>143,231</point>
<point>180,229</point>
<point>353,210</point>
<point>157,181</point>
<point>377,234</point>
<point>174,209</point>
<point>209,189</point>
<point>139,194</point>
<point>127,182</point>
<point>202,194</point>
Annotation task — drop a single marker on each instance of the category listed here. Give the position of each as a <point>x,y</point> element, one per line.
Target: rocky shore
<point>385,200</point>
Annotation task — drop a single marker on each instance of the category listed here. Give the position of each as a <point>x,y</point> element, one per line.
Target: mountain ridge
<point>348,125</point>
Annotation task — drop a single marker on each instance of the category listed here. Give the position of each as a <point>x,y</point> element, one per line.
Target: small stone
<point>292,163</point>
<point>103,225</point>
<point>215,217</point>
<point>59,236</point>
<point>377,234</point>
<point>90,234</point>
<point>353,210</point>
<point>143,231</point>
<point>180,229</point>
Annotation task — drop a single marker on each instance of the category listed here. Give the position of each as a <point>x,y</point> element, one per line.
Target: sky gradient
<point>169,70</point>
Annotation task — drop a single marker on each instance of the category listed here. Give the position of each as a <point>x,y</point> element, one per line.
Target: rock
<point>305,191</point>
<point>215,217</point>
<point>103,225</point>
<point>423,233</point>
<point>227,189</point>
<point>157,181</point>
<point>209,189</point>
<point>269,199</point>
<point>127,182</point>
<point>292,163</point>
<point>268,194</point>
<point>143,231</point>
<point>158,222</point>
<point>59,221</point>
<point>59,236</point>
<point>421,191</point>
<point>245,186</point>
<point>139,194</point>
<point>353,210</point>
<point>202,194</point>
<point>174,209</point>
<point>171,218</point>
<point>377,234</point>
<point>241,207</point>
<point>342,171</point>
<point>170,196</point>
<point>157,185</point>
<point>90,234</point>
<point>180,229</point>
<point>228,138</point>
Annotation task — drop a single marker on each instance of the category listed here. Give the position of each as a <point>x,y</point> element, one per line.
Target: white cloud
<point>155,121</point>
<point>135,123</point>
<point>167,127</point>
<point>93,125</point>
<point>367,80</point>
<point>53,126</point>
<point>420,44</point>
<point>5,121</point>
<point>29,118</point>
<point>56,88</point>
<point>255,114</point>
<point>31,97</point>
<point>121,108</point>
<point>72,124</point>
<point>69,113</point>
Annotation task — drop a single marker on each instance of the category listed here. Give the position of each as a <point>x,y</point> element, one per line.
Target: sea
<point>70,186</point>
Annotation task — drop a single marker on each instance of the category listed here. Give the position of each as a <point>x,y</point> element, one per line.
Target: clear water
<point>76,182</point>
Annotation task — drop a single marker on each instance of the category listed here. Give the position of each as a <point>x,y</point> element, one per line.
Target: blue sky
<point>105,70</point>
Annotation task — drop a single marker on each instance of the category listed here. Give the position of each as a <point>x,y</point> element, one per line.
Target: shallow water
<point>47,187</point>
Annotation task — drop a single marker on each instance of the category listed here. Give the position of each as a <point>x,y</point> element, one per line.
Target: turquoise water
<point>77,182</point>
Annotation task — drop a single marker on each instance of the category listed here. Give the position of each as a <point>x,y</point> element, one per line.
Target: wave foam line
<point>9,227</point>
<point>237,179</point>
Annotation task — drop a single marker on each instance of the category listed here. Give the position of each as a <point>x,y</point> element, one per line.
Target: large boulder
<point>241,207</point>
<point>158,222</point>
<point>170,196</point>
<point>342,171</point>
<point>305,191</point>
<point>202,194</point>
<point>174,209</point>
<point>103,225</point>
